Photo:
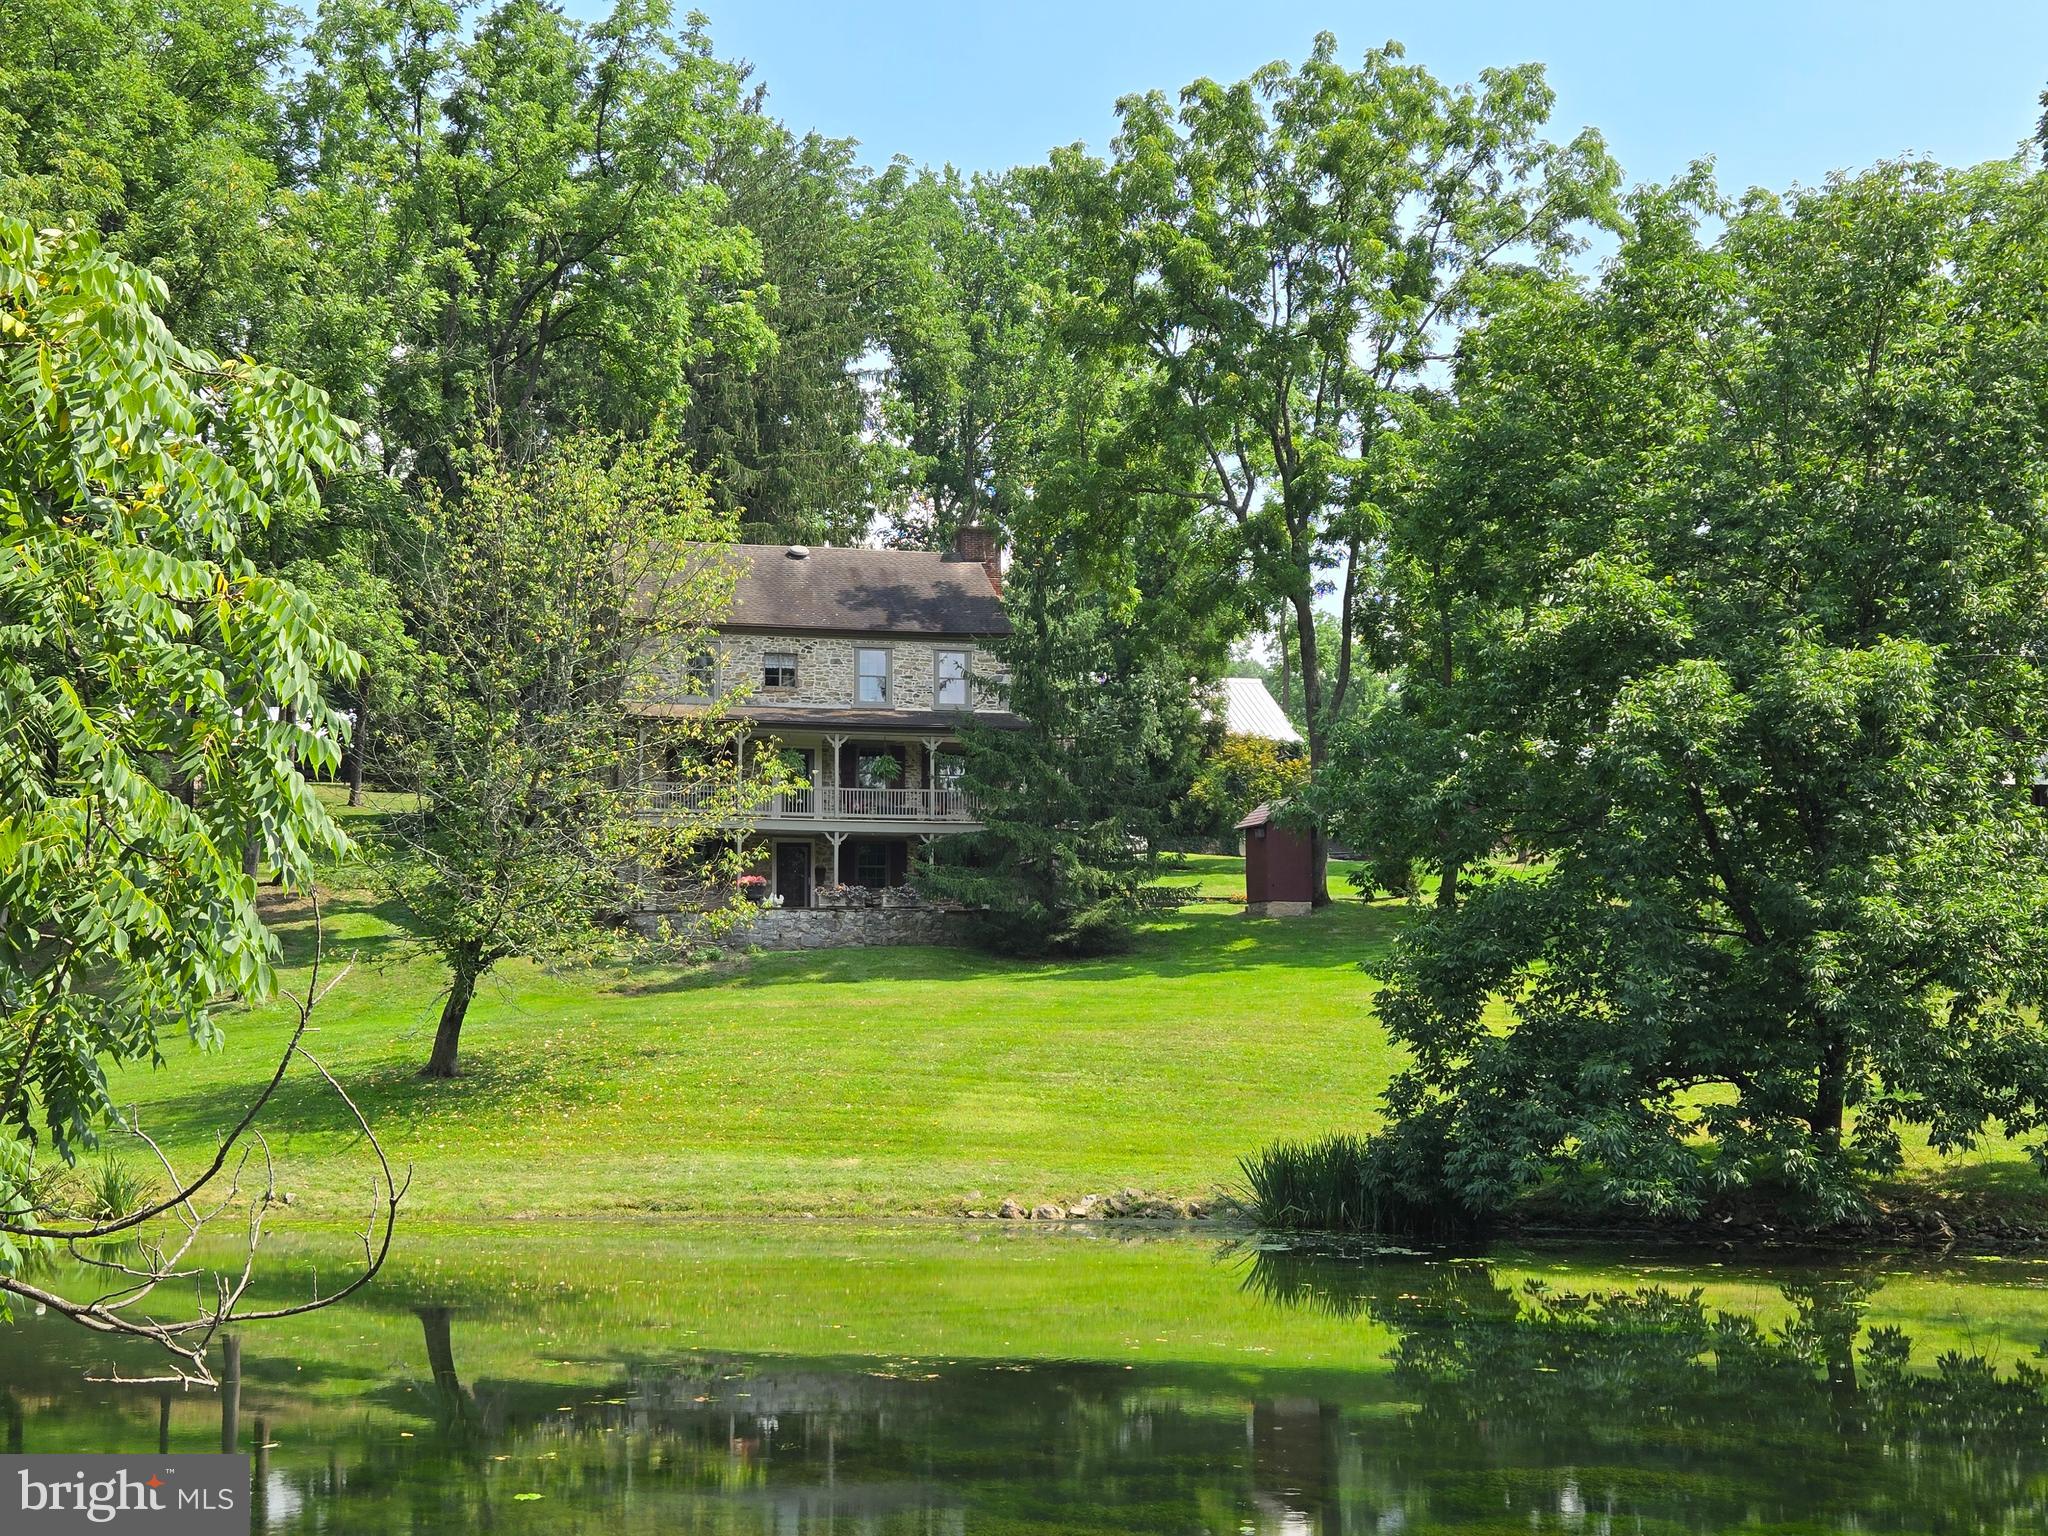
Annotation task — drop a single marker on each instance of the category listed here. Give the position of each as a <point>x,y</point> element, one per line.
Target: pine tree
<point>1073,797</point>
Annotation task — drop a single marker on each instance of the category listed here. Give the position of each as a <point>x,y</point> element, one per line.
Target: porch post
<point>837,838</point>
<point>833,744</point>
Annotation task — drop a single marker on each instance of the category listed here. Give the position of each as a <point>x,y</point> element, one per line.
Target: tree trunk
<point>356,740</point>
<point>1831,1094</point>
<point>448,1037</point>
<point>249,852</point>
<point>1286,670</point>
<point>1318,747</point>
<point>1447,888</point>
<point>455,1404</point>
<point>230,1392</point>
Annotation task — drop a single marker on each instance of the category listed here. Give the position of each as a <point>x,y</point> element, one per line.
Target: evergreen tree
<point>1075,795</point>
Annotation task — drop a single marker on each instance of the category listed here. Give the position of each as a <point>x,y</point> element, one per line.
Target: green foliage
<point>114,1190</point>
<point>1341,1184</point>
<point>544,595</point>
<point>1073,800</point>
<point>1239,774</point>
<point>784,438</point>
<point>157,694</point>
<point>1315,1186</point>
<point>1747,627</point>
<point>962,270</point>
<point>1284,258</point>
<point>362,609</point>
<point>156,124</point>
<point>517,215</point>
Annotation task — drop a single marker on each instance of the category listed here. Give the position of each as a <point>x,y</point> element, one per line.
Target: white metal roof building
<point>1249,709</point>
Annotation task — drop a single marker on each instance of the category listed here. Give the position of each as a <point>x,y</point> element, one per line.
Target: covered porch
<point>881,782</point>
<point>837,868</point>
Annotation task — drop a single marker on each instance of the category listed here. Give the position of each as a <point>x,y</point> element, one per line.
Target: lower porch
<point>830,869</point>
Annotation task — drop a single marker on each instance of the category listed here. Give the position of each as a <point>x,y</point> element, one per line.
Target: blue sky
<point>1777,93</point>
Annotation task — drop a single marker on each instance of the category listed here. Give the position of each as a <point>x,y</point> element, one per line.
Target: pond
<point>813,1377</point>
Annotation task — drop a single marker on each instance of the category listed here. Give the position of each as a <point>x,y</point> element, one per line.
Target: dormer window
<point>871,675</point>
<point>778,669</point>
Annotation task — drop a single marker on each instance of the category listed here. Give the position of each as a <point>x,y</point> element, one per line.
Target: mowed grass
<point>844,1082</point>
<point>852,1082</point>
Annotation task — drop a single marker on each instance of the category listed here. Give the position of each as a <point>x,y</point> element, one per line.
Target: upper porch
<point>856,772</point>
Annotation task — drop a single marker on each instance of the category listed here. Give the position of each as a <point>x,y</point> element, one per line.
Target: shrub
<point>1382,1186</point>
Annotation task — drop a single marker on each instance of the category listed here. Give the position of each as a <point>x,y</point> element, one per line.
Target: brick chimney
<point>973,542</point>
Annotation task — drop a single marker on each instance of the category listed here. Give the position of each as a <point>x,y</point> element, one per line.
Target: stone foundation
<point>1278,908</point>
<point>850,928</point>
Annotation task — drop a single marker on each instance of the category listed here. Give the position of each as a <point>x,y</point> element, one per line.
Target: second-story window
<point>700,675</point>
<point>871,675</point>
<point>950,691</point>
<point>778,669</point>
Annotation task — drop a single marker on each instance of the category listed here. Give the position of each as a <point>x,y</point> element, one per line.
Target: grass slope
<point>846,1082</point>
<point>852,1082</point>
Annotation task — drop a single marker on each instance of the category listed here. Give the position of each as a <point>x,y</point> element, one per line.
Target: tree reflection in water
<point>1674,1414</point>
<point>1475,1403</point>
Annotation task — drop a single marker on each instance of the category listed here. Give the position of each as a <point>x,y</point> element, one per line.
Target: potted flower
<point>754,888</point>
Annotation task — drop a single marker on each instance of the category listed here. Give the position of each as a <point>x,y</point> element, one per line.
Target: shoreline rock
<point>1121,1205</point>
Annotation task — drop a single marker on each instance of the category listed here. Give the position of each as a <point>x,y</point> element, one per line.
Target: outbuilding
<point>1279,866</point>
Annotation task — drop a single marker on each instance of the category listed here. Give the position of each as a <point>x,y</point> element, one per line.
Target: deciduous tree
<point>544,595</point>
<point>1753,661</point>
<point>158,695</point>
<point>1290,255</point>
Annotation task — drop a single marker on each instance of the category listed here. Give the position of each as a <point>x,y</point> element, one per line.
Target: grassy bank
<point>854,1082</point>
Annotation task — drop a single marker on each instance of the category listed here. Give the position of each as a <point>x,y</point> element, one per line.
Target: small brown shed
<point>1279,866</point>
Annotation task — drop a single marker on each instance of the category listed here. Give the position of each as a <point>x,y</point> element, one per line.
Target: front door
<point>793,873</point>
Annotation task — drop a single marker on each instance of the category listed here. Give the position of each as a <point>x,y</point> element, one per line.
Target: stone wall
<point>855,928</point>
<point>824,669</point>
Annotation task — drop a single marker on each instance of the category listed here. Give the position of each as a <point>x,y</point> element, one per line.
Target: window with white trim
<point>950,686</point>
<point>871,675</point>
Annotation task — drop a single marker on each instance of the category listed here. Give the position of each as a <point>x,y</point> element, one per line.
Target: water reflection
<point>1496,1403</point>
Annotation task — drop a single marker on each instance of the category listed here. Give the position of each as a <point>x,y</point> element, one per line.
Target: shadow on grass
<point>391,1093</point>
<point>355,923</point>
<point>2008,1185</point>
<point>1177,945</point>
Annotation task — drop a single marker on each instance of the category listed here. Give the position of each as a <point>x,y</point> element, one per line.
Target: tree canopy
<point>1288,256</point>
<point>157,693</point>
<point>1738,558</point>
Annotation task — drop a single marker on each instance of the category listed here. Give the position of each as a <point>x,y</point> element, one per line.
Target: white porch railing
<point>833,802</point>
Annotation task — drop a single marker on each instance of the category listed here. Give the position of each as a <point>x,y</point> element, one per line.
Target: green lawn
<point>853,1082</point>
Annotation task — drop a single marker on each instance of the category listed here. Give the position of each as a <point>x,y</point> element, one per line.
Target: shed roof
<point>861,591</point>
<point>1249,709</point>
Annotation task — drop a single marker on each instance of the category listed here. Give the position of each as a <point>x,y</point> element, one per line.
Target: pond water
<point>813,1377</point>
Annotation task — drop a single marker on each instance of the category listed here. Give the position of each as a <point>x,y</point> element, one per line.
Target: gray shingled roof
<point>862,591</point>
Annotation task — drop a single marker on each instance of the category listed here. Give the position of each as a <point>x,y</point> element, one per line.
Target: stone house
<point>860,666</point>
